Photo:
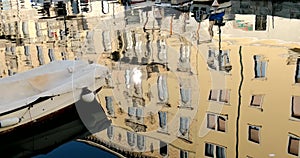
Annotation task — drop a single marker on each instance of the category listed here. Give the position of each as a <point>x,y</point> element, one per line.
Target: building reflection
<point>173,92</point>
<point>43,138</point>
<point>287,9</point>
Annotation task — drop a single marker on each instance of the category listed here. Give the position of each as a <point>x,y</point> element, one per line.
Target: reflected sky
<point>187,79</point>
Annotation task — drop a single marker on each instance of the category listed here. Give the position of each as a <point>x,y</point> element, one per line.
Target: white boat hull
<point>42,109</point>
<point>52,91</point>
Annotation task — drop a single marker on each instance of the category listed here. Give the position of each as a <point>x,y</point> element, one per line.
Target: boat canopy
<point>49,80</point>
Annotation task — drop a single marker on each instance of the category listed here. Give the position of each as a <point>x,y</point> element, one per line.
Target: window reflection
<point>215,151</point>
<point>109,105</point>
<point>296,107</point>
<point>149,39</point>
<point>260,66</point>
<point>293,145</point>
<point>254,134</point>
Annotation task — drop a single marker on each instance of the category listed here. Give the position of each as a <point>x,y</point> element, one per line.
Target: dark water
<point>76,150</point>
<point>54,137</point>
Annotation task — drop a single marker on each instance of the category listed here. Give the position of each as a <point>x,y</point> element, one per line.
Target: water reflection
<point>41,139</point>
<point>183,83</point>
<point>46,134</point>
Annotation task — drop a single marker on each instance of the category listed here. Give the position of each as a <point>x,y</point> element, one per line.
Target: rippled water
<point>77,149</point>
<point>186,81</point>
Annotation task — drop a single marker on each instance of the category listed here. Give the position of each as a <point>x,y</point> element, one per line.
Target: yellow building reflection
<point>173,93</point>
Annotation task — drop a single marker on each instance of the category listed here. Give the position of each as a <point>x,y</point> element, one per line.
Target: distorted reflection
<point>188,78</point>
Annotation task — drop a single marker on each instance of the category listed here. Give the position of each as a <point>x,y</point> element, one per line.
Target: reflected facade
<point>176,90</point>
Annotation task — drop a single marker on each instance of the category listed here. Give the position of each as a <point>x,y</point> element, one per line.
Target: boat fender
<point>89,97</point>
<point>9,122</point>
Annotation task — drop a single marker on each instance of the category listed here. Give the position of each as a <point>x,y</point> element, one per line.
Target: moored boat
<point>29,96</point>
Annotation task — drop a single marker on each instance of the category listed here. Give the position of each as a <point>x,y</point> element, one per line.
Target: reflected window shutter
<point>221,124</point>
<point>140,142</point>
<point>256,100</point>
<point>25,28</point>
<point>211,121</point>
<point>64,55</point>
<point>296,107</point>
<point>263,68</point>
<point>127,77</point>
<point>148,46</point>
<point>38,29</point>
<point>258,69</point>
<point>158,45</point>
<point>165,87</point>
<point>162,88</point>
<point>185,95</point>
<point>106,40</point>
<point>164,47</point>
<point>13,49</point>
<point>50,34</point>
<point>7,49</point>
<point>74,5</point>
<point>298,70</point>
<point>134,138</point>
<point>254,134</point>
<point>40,55</point>
<point>187,123</point>
<point>183,55</point>
<point>181,125</point>
<point>131,111</point>
<point>26,50</point>
<point>187,53</point>
<point>226,57</point>
<point>211,53</point>
<point>110,131</point>
<point>160,119</point>
<point>164,119</point>
<point>90,35</point>
<point>188,94</point>
<point>224,95</point>
<point>130,138</point>
<point>220,151</point>
<point>139,113</point>
<point>109,105</point>
<point>213,95</point>
<point>183,154</point>
<point>51,54</point>
<point>209,150</point>
<point>222,59</point>
<point>293,147</point>
<point>257,66</point>
<point>10,72</point>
